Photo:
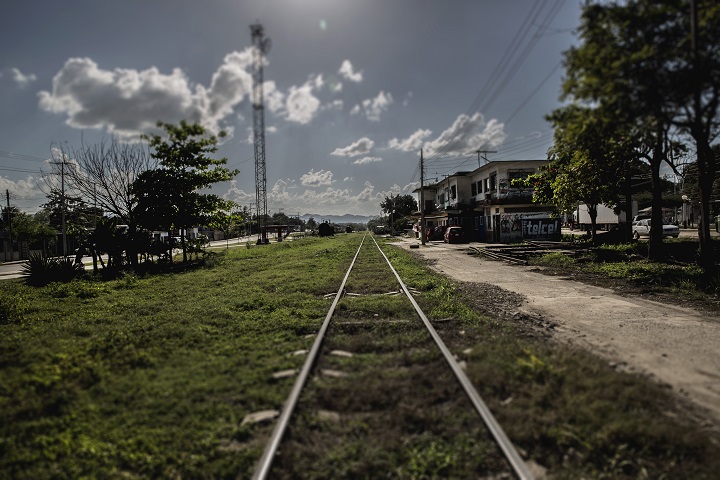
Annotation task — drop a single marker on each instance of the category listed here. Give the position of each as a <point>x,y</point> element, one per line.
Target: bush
<point>77,289</point>
<point>40,269</point>
<point>12,304</point>
<point>555,259</point>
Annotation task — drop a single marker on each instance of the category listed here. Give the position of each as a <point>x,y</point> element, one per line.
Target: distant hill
<point>347,218</point>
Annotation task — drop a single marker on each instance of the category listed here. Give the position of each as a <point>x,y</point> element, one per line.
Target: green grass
<point>628,262</point>
<point>151,376</point>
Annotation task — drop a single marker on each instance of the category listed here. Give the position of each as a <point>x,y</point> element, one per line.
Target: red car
<point>453,235</point>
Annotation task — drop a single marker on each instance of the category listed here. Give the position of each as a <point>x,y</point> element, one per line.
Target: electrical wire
<point>509,65</point>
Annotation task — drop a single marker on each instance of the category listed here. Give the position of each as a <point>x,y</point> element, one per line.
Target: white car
<point>641,228</point>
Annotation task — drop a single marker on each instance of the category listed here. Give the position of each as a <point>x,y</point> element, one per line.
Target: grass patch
<point>151,376</point>
<point>627,263</point>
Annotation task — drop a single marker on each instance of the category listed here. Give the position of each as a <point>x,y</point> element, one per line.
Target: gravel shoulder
<point>673,344</point>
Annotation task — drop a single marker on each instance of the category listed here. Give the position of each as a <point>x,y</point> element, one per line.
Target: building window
<point>493,182</point>
<point>473,189</point>
<point>453,192</point>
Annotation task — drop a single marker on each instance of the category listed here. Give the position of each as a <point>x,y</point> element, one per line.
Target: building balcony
<point>509,198</point>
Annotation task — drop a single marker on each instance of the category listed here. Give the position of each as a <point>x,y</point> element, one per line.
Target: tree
<point>227,222</point>
<point>102,175</point>
<point>624,66</point>
<point>279,218</point>
<point>311,223</point>
<point>170,196</point>
<point>26,227</point>
<point>697,78</point>
<point>398,207</point>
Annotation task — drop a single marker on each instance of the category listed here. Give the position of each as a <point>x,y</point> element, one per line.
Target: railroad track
<point>519,254</point>
<point>388,373</point>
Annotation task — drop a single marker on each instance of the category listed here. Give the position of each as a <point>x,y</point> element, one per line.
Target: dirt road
<point>674,344</point>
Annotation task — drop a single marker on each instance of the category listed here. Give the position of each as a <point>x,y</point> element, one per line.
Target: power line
<point>20,156</point>
<point>532,94</point>
<point>510,63</point>
<point>20,170</point>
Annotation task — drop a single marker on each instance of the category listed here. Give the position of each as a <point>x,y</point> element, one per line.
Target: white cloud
<point>365,160</point>
<point>127,102</point>
<point>325,201</point>
<point>274,98</point>
<point>359,147</point>
<point>251,134</point>
<point>317,179</point>
<point>373,107</point>
<point>238,195</point>
<point>334,105</point>
<point>412,143</point>
<point>230,83</point>
<point>466,135</point>
<point>301,104</point>
<point>346,71</point>
<point>407,99</point>
<point>348,179</point>
<point>21,189</point>
<point>21,79</point>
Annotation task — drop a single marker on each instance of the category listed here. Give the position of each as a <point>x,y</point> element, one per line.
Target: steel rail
<point>498,433</point>
<point>263,468</point>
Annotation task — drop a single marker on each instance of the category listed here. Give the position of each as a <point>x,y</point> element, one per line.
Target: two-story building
<point>487,204</point>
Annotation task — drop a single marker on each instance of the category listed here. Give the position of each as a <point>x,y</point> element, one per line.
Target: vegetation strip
<point>151,376</point>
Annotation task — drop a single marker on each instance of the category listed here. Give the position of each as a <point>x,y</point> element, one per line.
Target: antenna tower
<point>261,47</point>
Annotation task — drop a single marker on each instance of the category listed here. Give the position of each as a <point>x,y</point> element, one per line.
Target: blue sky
<point>353,89</point>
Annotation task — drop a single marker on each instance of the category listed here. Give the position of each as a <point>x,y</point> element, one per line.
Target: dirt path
<point>676,345</point>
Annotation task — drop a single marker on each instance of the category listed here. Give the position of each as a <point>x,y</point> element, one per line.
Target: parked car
<point>641,228</point>
<point>453,235</point>
<point>437,233</point>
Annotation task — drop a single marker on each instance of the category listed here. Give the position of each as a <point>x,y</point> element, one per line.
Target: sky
<point>353,89</point>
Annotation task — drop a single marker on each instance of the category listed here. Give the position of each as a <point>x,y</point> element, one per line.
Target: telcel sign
<point>541,228</point>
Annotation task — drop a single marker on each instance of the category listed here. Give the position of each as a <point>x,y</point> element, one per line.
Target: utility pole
<point>422,198</point>
<point>9,222</point>
<point>261,46</point>
<point>63,206</point>
<point>484,155</point>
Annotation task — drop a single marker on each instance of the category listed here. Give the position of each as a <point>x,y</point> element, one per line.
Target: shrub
<point>555,259</point>
<point>76,288</point>
<point>40,269</point>
<point>13,304</point>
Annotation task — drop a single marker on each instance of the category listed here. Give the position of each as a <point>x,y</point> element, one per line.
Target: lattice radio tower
<point>261,47</point>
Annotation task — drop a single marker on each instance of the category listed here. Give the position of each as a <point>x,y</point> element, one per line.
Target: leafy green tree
<point>311,223</point>
<point>696,78</point>
<point>374,222</point>
<point>398,208</point>
<point>624,66</point>
<point>78,214</point>
<point>227,222</point>
<point>279,218</point>
<point>26,227</point>
<point>691,181</point>
<point>171,196</point>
